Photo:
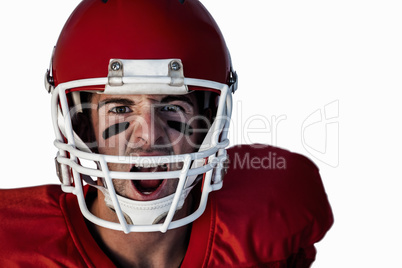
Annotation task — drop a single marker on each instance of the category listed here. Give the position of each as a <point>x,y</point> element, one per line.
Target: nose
<point>148,132</point>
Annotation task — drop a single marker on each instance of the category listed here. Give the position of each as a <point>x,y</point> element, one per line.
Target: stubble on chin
<point>120,186</point>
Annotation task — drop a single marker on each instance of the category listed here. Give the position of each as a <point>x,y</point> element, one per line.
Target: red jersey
<point>270,212</point>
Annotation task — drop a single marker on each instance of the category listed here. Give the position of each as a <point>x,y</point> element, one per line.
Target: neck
<point>153,249</point>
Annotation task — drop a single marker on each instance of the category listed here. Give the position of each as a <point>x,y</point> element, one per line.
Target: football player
<point>141,103</point>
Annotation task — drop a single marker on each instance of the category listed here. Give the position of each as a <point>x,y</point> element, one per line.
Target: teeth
<point>148,165</point>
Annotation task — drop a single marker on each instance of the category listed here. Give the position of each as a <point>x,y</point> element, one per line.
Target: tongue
<point>149,184</point>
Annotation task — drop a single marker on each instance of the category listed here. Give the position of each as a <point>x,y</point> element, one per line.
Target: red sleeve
<point>37,232</point>
<point>270,212</point>
<point>33,230</point>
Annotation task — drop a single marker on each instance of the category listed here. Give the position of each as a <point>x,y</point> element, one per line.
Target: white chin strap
<point>144,212</point>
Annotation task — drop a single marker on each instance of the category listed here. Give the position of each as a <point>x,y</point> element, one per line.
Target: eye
<point>172,108</point>
<point>120,110</point>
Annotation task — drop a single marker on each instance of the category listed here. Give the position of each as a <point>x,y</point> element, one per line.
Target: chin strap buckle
<point>63,172</point>
<point>58,169</point>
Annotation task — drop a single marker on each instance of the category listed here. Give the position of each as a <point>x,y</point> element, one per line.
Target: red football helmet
<point>167,47</point>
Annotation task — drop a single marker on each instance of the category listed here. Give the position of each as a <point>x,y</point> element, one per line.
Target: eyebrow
<point>121,101</point>
<point>128,102</point>
<point>172,98</point>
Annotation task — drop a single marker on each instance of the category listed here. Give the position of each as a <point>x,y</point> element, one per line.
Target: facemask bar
<point>68,156</point>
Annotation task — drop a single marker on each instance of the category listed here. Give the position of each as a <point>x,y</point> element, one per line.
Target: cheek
<point>181,127</point>
<point>181,143</point>
<point>114,130</point>
<point>112,138</point>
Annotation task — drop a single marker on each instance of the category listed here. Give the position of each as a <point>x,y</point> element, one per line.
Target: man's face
<point>145,125</point>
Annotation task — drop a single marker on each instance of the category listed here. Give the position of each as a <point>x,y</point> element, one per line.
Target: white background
<point>322,78</point>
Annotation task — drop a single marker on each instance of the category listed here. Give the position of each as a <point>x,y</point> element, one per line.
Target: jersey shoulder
<point>36,196</point>
<point>31,204</point>
<point>36,231</point>
<point>272,207</point>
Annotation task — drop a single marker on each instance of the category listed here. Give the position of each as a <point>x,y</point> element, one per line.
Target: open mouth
<point>147,187</point>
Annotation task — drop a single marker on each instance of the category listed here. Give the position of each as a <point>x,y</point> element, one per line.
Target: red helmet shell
<point>99,30</point>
